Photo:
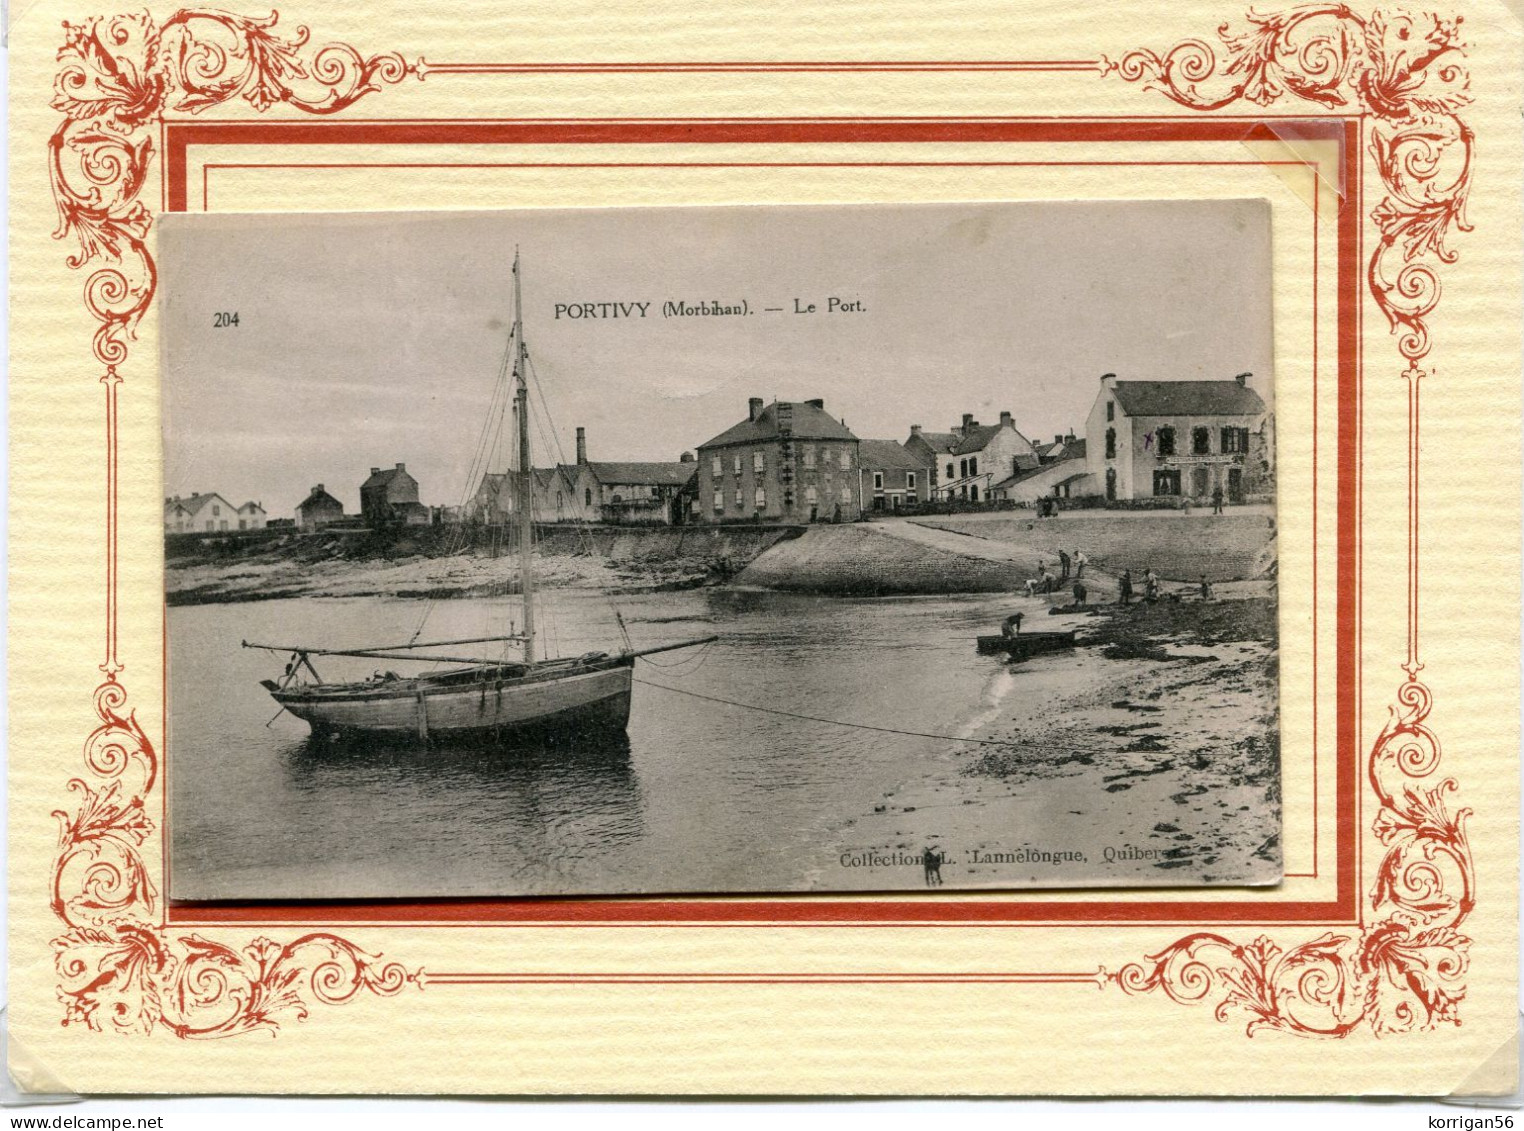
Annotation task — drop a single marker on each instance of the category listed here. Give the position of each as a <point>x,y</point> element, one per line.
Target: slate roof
<point>877,455</point>
<point>654,474</point>
<point>941,442</point>
<point>194,503</point>
<point>810,423</point>
<point>384,477</point>
<point>319,498</point>
<point>1069,449</point>
<point>1187,398</point>
<point>978,439</point>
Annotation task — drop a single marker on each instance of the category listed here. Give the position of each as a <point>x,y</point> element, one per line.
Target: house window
<point>949,471</point>
<point>963,469</point>
<point>758,462</point>
<point>1235,440</point>
<point>1111,410</point>
<point>216,509</point>
<point>846,459</point>
<point>910,481</point>
<point>811,496</point>
<point>718,467</point>
<point>242,525</point>
<point>719,500</point>
<point>1167,482</point>
<point>735,464</point>
<point>809,458</point>
<point>223,525</point>
<point>587,496</point>
<point>846,493</point>
<point>1166,437</point>
<point>209,524</point>
<point>740,499</point>
<point>878,480</point>
<point>761,499</point>
<point>1201,441</point>
<point>1111,443</point>
<point>973,466</point>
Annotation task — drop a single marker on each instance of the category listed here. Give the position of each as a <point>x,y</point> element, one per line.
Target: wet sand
<point>1151,752</point>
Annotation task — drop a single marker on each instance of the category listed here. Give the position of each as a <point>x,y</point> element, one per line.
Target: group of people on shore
<point>1047,582</point>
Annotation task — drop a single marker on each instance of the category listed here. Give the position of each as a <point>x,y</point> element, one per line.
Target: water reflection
<point>697,796</point>
<point>536,803</point>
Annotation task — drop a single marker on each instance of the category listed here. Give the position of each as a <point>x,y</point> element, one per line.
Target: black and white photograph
<point>766,549</point>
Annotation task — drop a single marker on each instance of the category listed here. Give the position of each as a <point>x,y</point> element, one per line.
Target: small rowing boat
<point>1024,645</point>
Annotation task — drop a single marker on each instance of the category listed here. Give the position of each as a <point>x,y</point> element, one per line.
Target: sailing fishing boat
<point>479,697</point>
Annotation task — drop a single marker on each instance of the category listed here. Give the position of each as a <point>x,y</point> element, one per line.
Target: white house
<point>251,516</point>
<point>972,458</point>
<point>198,514</point>
<point>1163,438</point>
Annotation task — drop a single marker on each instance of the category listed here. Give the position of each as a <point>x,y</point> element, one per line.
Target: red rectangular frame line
<point>807,910</point>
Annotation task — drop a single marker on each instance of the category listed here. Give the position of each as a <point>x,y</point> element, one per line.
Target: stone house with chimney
<point>318,509</point>
<point>390,498</point>
<point>789,461</point>
<point>1173,438</point>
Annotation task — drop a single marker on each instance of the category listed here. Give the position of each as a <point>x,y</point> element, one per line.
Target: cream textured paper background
<point>830,1037</point>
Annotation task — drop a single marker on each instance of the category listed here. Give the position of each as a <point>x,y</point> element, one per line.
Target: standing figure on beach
<point>1125,583</point>
<point>1150,585</point>
<point>1206,588</point>
<point>931,861</point>
<point>1217,499</point>
<point>1080,562</point>
<point>1080,592</point>
<point>1012,625</point>
<point>1063,566</point>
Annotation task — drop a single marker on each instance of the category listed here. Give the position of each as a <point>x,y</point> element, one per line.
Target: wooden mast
<point>526,468</point>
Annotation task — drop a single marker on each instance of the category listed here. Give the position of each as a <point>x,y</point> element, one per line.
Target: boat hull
<point>575,699</point>
<point>1025,644</point>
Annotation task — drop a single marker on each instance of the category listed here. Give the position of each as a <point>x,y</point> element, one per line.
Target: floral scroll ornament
<point>1404,967</point>
<point>119,969</point>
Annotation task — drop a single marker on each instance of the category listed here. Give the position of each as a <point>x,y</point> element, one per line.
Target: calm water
<point>698,796</point>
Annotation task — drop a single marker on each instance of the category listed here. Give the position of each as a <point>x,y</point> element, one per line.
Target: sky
<point>370,339</point>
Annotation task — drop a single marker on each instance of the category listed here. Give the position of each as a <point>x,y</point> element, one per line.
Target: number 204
<point>222,319</point>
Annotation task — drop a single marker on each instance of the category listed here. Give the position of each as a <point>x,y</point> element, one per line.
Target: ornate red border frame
<point>1401,77</point>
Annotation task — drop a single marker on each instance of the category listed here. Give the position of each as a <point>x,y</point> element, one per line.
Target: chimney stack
<point>753,408</point>
<point>402,467</point>
<point>1058,439</point>
<point>1242,377</point>
<point>581,444</point>
<point>915,429</point>
<point>968,422</point>
<point>1069,438</point>
<point>317,489</point>
<point>687,457</point>
<point>375,471</point>
<point>816,403</point>
<point>1005,420</point>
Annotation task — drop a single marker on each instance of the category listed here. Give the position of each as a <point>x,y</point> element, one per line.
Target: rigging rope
<point>828,722</point>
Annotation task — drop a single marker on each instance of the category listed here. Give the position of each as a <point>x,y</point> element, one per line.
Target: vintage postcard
<point>621,550</point>
<point>764,642</point>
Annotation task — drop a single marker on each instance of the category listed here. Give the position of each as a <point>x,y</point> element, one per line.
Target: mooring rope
<point>828,722</point>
